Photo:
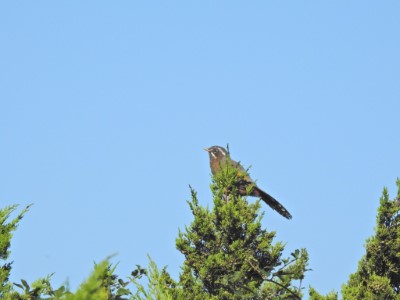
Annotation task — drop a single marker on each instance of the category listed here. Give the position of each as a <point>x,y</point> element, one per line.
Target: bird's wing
<point>242,171</point>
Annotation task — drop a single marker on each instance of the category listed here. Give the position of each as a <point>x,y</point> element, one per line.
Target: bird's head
<point>217,153</point>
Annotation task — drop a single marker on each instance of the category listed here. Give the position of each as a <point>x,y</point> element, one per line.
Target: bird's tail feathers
<point>272,202</point>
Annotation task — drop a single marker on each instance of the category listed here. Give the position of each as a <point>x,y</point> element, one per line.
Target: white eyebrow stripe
<point>222,151</point>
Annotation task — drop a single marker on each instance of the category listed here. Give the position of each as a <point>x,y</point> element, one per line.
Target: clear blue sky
<point>105,108</point>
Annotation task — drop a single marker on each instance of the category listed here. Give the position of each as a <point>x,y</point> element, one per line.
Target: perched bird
<point>219,157</point>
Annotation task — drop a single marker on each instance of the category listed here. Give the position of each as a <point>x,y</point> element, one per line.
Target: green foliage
<point>378,274</point>
<point>314,295</point>
<point>160,286</point>
<point>101,284</point>
<point>39,288</point>
<point>6,233</point>
<point>227,256</point>
<point>96,287</point>
<point>227,253</point>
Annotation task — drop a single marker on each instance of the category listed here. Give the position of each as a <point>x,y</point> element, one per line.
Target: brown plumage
<point>219,156</point>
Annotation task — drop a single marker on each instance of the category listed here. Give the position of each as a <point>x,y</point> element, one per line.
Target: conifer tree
<point>228,255</point>
<point>6,233</point>
<point>314,295</point>
<point>378,274</point>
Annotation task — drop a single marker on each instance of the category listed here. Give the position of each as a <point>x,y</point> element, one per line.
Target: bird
<point>219,157</point>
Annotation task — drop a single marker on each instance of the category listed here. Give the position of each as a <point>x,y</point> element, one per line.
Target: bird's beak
<point>206,149</point>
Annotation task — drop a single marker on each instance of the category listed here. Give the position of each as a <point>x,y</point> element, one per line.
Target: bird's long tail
<point>272,202</point>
